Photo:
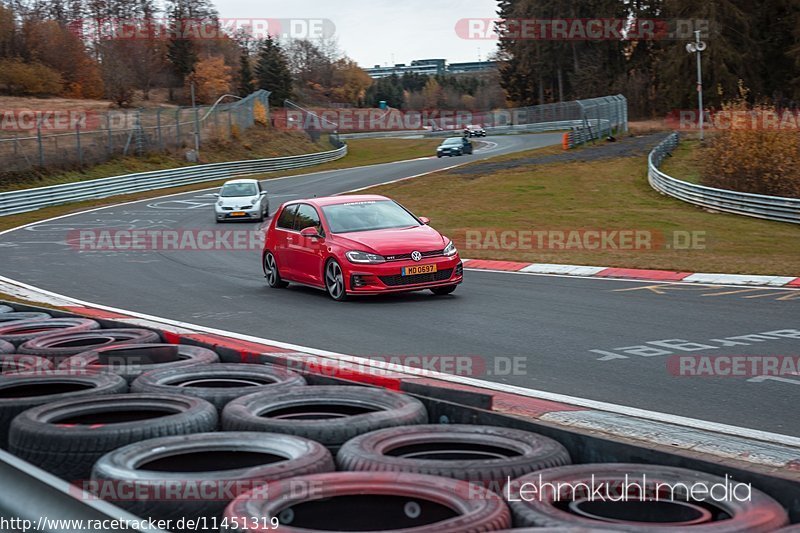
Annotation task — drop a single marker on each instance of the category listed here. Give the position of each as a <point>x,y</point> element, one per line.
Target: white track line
<point>754,434</point>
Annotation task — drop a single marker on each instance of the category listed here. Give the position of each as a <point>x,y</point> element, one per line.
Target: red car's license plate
<point>419,269</point>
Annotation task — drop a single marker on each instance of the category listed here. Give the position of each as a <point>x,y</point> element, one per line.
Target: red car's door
<point>284,236</point>
<point>307,253</point>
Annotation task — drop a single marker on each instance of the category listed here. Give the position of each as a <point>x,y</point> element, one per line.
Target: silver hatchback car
<point>242,199</point>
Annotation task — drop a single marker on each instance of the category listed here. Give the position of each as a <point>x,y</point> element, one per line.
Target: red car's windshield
<point>367,216</point>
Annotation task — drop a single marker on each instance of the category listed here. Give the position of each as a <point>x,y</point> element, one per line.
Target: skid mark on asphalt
<point>703,291</point>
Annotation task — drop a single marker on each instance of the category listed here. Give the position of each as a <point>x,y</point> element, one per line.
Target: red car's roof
<point>330,200</point>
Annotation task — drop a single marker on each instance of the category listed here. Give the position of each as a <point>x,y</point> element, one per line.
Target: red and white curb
<point>632,273</point>
<point>617,421</point>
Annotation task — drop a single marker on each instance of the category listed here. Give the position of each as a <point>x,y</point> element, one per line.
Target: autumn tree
<point>118,77</point>
<point>23,79</point>
<point>212,78</point>
<point>53,45</point>
<point>349,82</point>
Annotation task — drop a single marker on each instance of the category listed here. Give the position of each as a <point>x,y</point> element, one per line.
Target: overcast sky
<point>376,32</point>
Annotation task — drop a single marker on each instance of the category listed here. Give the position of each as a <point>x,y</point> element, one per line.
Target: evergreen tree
<point>272,71</point>
<point>246,85</point>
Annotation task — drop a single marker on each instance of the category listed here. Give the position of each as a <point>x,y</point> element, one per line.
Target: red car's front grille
<point>395,281</point>
<point>403,257</point>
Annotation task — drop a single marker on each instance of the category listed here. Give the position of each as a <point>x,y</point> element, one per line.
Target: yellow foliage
<point>18,78</point>
<point>212,78</point>
<point>259,113</point>
<point>751,154</point>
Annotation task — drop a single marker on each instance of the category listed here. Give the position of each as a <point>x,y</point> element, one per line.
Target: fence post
<point>78,144</point>
<point>110,143</point>
<point>39,140</point>
<point>230,124</point>
<point>158,129</point>
<point>178,128</point>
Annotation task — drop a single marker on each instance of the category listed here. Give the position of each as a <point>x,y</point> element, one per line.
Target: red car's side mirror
<point>309,232</point>
<point>425,220</point>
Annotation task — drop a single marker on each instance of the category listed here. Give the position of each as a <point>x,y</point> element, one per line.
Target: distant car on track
<point>364,244</point>
<point>474,130</point>
<point>242,199</point>
<point>454,146</point>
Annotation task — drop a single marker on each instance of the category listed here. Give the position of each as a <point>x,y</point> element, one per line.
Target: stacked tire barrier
<point>168,432</point>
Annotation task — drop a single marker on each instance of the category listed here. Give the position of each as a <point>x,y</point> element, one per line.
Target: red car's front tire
<point>334,281</point>
<point>441,291</point>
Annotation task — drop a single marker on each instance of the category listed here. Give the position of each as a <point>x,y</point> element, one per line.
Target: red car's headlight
<point>450,250</point>
<point>355,256</point>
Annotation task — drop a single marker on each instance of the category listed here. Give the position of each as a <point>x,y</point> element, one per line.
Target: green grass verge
<point>606,194</point>
<point>684,163</point>
<point>360,152</point>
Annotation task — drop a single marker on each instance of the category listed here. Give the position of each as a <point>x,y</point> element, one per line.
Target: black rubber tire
<point>11,317</point>
<point>61,345</point>
<point>382,408</point>
<point>70,449</point>
<point>244,379</point>
<point>121,471</point>
<point>760,514</point>
<point>10,363</point>
<point>527,452</point>
<point>6,347</point>
<point>277,283</point>
<point>132,360</point>
<point>342,297</point>
<point>476,509</point>
<point>6,309</point>
<point>19,332</point>
<point>24,390</point>
<point>442,291</point>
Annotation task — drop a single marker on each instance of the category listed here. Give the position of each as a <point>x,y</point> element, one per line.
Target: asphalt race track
<point>592,338</point>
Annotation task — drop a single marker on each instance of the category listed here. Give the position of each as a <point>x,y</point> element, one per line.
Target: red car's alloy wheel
<point>334,281</point>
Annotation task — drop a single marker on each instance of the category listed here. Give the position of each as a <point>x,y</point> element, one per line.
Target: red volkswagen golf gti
<point>365,244</point>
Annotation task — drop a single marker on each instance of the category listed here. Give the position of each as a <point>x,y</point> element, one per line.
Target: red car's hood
<point>394,241</point>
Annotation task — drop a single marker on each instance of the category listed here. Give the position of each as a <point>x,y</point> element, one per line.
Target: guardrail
<point>741,203</point>
<point>21,201</point>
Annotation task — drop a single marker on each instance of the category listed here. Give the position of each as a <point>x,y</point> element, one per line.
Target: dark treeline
<point>756,43</point>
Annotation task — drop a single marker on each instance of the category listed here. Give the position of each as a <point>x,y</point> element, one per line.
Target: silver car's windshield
<point>367,216</point>
<point>238,189</point>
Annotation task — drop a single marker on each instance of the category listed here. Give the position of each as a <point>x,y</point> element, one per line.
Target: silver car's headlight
<point>220,203</point>
<point>355,256</point>
<point>450,249</point>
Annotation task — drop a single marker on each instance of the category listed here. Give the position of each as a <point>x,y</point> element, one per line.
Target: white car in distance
<point>241,199</point>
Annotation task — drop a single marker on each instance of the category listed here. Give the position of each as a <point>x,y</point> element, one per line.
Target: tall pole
<point>699,81</point>
<point>196,126</point>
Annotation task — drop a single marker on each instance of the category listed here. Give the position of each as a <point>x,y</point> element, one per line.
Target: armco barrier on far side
<point>21,201</point>
<point>741,203</point>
